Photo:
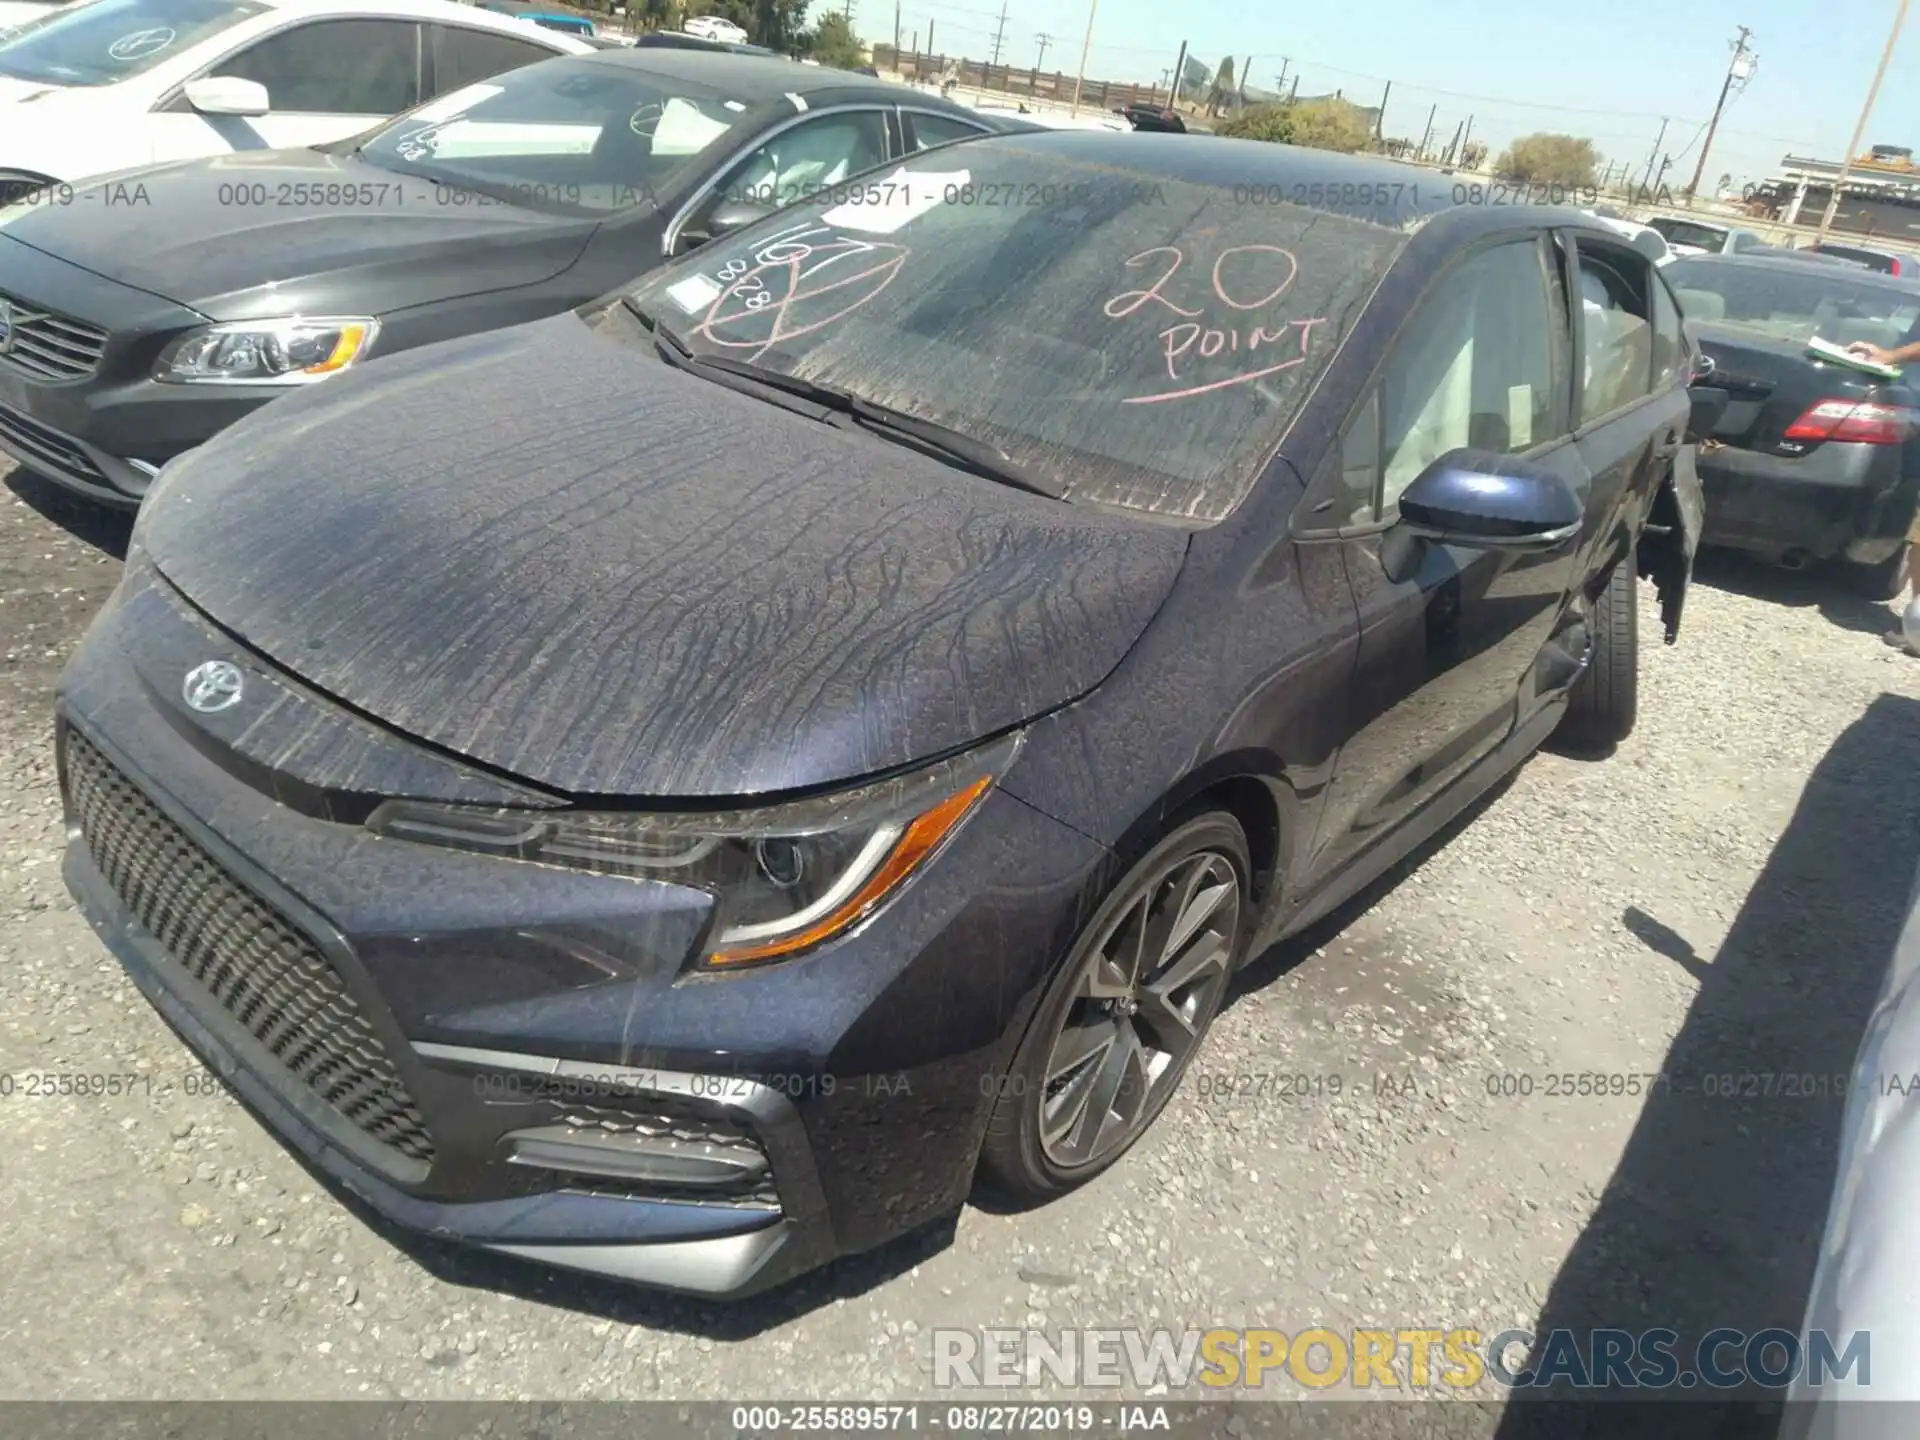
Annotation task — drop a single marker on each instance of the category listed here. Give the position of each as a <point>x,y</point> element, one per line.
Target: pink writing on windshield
<point>1243,281</point>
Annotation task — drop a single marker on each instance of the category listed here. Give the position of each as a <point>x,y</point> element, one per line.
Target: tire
<point>1039,1142</point>
<point>1885,581</point>
<point>1605,700</point>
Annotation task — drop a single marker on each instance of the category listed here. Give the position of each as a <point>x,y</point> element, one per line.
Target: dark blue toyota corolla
<point>682,790</point>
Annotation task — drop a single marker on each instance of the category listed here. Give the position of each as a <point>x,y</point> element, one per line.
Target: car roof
<point>1409,194</point>
<point>451,11</point>
<point>1784,263</point>
<point>759,79</point>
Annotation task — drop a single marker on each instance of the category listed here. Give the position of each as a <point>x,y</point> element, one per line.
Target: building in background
<point>1881,196</point>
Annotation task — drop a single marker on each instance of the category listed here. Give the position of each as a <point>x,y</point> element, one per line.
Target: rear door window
<point>461,56</point>
<point>335,67</point>
<point>1616,329</point>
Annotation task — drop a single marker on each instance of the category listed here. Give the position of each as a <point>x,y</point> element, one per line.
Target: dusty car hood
<point>232,238</point>
<point>547,551</point>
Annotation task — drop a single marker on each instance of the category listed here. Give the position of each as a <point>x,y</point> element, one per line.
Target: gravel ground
<point>1718,897</point>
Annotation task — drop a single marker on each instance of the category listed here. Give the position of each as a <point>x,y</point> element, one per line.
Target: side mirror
<point>1474,497</point>
<point>227,95</point>
<point>735,215</point>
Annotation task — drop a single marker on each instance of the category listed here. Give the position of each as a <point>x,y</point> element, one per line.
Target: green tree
<point>1273,123</point>
<point>1548,159</point>
<point>834,43</point>
<point>1473,155</point>
<point>1331,125</point>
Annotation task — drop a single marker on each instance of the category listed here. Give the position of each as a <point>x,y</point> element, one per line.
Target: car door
<point>1630,400</point>
<point>326,79</point>
<point>793,160</point>
<point>458,55</point>
<point>1453,638</point>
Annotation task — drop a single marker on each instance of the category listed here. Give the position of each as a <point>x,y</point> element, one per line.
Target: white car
<point>1647,240</point>
<point>15,13</point>
<point>115,85</point>
<point>712,27</point>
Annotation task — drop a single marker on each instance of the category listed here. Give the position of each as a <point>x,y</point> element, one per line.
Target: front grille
<point>46,346</point>
<point>268,975</point>
<point>49,447</point>
<point>662,1119</point>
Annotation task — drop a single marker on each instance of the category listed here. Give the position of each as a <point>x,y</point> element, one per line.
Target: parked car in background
<point>1688,236</point>
<point>1810,460</point>
<point>565,23</point>
<point>680,40</point>
<point>113,85</point>
<point>1902,263</point>
<point>727,792</point>
<point>1644,238</point>
<point>714,27</point>
<point>137,332</point>
<point>1143,116</point>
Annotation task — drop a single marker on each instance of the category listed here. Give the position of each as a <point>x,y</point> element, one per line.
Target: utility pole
<point>1294,93</point>
<point>1280,80</point>
<point>1080,83</point>
<point>1860,126</point>
<point>896,27</point>
<point>1179,76</point>
<point>1466,135</point>
<point>999,31</point>
<point>1453,148</point>
<point>1737,68</point>
<point>1245,70</point>
<point>1380,115</point>
<point>1044,40</point>
<point>849,13</point>
<point>1428,135</point>
<point>1647,184</point>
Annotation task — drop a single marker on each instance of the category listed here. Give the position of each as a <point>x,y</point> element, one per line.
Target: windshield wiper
<point>957,448</point>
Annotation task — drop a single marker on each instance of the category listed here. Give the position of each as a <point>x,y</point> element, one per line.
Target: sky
<point>1607,72</point>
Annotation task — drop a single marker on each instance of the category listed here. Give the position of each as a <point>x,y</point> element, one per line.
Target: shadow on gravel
<point>104,529</point>
<point>1823,587</point>
<point>1714,1215</point>
<point>1288,954</point>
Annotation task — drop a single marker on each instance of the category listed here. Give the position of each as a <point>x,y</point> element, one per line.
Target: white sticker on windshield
<point>880,207</point>
<point>733,105</point>
<point>696,292</point>
<point>1519,417</point>
<point>458,103</point>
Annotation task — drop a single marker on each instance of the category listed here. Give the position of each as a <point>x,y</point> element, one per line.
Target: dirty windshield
<point>108,41</point>
<point>1139,341</point>
<point>1794,305</point>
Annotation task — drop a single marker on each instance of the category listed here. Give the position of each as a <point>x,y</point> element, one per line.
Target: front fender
<point>1671,537</point>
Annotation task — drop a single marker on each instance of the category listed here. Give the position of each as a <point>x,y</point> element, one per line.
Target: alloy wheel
<point>1144,997</point>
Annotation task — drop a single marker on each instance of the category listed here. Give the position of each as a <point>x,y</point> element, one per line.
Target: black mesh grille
<point>47,447</point>
<point>272,978</point>
<point>669,1122</point>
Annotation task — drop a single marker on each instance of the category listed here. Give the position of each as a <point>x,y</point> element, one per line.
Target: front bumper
<point>1839,501</point>
<point>397,1014</point>
<point>104,430</point>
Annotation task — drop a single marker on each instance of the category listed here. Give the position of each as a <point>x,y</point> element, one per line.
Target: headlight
<point>785,878</point>
<point>266,352</point>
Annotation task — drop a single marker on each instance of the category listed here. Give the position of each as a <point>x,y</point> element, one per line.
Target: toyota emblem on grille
<point>212,686</point>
